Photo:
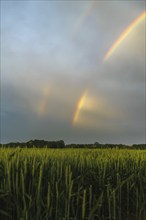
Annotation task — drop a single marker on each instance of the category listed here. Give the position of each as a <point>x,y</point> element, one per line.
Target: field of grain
<point>72,184</point>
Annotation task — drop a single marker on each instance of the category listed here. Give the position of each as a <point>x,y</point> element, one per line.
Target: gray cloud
<point>45,71</point>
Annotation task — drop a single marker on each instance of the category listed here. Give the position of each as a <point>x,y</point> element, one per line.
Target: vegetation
<point>36,143</point>
<point>61,144</point>
<point>72,184</point>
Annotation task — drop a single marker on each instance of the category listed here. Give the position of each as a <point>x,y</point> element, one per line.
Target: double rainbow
<point>109,53</point>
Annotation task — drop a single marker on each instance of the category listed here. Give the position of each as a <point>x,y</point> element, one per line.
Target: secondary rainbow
<point>44,102</point>
<point>125,34</point>
<point>82,18</point>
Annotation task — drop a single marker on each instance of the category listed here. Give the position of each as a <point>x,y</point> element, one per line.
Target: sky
<point>73,71</point>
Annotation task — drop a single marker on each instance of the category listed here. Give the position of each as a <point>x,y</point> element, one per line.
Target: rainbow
<point>124,35</point>
<point>82,18</point>
<point>79,107</point>
<point>44,102</point>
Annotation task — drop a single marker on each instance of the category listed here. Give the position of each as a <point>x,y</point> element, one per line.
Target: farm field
<point>72,184</point>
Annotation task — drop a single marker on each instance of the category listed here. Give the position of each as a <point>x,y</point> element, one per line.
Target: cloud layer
<point>52,52</point>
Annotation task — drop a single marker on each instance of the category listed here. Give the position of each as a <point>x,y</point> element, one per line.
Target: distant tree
<point>60,144</point>
<point>96,144</point>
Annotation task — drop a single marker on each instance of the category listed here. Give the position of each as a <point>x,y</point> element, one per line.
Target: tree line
<point>60,144</point>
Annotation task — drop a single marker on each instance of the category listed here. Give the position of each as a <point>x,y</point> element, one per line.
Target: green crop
<point>72,184</point>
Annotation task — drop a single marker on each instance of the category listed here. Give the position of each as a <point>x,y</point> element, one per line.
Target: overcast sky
<point>52,55</point>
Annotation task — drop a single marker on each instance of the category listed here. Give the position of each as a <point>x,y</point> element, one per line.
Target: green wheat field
<point>72,184</point>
